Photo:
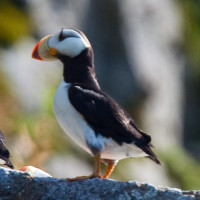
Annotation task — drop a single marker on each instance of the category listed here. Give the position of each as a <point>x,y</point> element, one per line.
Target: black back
<point>107,118</point>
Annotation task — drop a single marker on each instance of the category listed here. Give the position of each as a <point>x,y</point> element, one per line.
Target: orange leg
<point>109,169</point>
<point>96,173</point>
<point>97,166</point>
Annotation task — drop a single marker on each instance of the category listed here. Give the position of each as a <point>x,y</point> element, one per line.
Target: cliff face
<point>21,186</point>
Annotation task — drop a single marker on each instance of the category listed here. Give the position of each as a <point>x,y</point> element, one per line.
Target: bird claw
<point>80,178</point>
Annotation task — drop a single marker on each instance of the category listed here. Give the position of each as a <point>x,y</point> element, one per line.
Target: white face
<point>68,42</point>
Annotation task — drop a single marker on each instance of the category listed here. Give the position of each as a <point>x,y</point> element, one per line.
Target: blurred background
<point>147,58</point>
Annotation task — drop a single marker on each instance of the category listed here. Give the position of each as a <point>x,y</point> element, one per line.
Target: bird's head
<point>68,42</point>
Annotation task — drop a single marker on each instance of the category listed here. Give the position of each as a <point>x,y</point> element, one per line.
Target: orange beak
<point>41,51</point>
<point>35,53</point>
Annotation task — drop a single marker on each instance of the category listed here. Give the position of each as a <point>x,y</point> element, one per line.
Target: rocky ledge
<point>19,185</point>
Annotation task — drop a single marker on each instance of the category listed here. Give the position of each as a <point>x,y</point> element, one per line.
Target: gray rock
<point>21,186</point>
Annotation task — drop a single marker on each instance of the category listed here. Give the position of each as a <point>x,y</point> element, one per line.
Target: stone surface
<point>18,185</point>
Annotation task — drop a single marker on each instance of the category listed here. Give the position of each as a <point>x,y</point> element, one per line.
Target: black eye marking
<point>61,36</point>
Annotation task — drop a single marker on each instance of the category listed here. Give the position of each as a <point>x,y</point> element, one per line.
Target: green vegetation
<point>191,24</point>
<point>13,23</point>
<point>182,168</point>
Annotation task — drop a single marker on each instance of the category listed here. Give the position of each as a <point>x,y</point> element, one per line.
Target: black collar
<point>80,69</point>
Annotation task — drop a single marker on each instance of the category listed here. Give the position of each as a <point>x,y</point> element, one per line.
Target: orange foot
<point>80,178</point>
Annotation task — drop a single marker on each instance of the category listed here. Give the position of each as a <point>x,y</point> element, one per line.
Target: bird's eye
<point>61,36</point>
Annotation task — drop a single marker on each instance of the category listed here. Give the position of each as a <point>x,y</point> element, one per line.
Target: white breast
<point>77,128</point>
<point>68,118</point>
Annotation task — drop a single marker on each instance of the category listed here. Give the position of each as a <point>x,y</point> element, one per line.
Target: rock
<point>19,185</point>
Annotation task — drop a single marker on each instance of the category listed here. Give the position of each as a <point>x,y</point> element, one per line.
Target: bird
<point>34,172</point>
<point>4,153</point>
<point>89,116</point>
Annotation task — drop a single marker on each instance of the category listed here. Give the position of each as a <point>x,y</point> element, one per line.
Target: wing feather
<point>105,116</point>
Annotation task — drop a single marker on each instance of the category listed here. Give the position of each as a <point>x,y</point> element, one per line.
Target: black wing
<point>106,117</point>
<point>2,143</point>
<point>4,153</point>
<point>2,139</point>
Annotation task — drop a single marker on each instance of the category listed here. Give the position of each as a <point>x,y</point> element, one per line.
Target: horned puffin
<point>4,153</point>
<point>86,114</point>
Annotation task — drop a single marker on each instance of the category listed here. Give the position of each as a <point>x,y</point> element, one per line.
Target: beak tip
<point>23,169</point>
<point>35,54</point>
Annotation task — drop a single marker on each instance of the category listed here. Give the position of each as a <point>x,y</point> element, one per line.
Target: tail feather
<point>151,154</point>
<point>155,159</point>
